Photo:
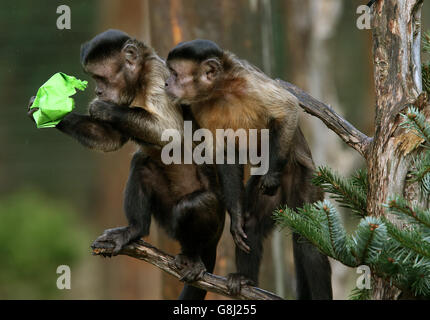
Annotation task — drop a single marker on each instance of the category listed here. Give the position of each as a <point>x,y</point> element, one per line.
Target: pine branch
<point>360,294</point>
<point>414,215</point>
<point>421,173</point>
<point>309,223</point>
<point>351,194</point>
<point>359,180</point>
<point>426,42</point>
<point>409,238</point>
<point>415,121</point>
<point>369,240</point>
<point>339,240</point>
<point>426,77</point>
<point>371,245</point>
<point>404,268</point>
<point>146,252</point>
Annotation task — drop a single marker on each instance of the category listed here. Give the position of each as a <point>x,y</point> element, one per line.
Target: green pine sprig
<point>421,172</point>
<point>426,77</point>
<point>340,242</point>
<point>412,215</point>
<point>426,42</point>
<point>360,294</point>
<point>350,193</point>
<point>369,239</point>
<point>415,121</point>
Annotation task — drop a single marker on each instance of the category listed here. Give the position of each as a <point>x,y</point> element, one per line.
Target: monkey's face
<point>116,81</point>
<point>181,84</point>
<point>189,81</point>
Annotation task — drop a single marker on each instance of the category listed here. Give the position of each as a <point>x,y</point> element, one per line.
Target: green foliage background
<point>37,234</point>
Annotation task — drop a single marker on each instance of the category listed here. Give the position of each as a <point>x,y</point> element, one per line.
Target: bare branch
<point>346,131</point>
<point>144,251</point>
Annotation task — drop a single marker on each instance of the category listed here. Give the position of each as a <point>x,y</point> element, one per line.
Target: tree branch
<point>346,131</point>
<point>144,251</point>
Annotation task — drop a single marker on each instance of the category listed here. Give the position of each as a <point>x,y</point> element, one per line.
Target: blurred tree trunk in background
<point>311,25</point>
<point>124,278</point>
<point>279,243</point>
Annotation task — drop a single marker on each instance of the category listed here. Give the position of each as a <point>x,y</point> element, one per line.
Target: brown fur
<point>246,98</point>
<point>184,179</point>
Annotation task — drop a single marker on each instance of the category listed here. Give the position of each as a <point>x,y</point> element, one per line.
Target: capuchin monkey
<point>131,104</point>
<point>225,92</point>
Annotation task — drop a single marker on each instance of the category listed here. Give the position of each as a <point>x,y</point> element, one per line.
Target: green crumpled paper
<point>53,99</point>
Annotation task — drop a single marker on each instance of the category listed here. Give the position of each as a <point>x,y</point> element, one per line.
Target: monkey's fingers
<point>30,113</point>
<point>30,103</point>
<point>240,236</point>
<point>193,273</point>
<point>235,282</point>
<point>240,242</point>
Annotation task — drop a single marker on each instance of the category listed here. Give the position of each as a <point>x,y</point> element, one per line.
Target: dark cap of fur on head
<point>197,50</point>
<point>103,45</point>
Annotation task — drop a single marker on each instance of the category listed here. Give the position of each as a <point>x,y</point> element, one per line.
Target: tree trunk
<point>398,83</point>
<point>396,51</point>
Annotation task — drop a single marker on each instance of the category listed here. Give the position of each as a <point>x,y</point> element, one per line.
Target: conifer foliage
<point>397,252</point>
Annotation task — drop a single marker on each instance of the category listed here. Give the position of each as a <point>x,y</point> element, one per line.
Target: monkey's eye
<point>173,73</point>
<point>100,79</point>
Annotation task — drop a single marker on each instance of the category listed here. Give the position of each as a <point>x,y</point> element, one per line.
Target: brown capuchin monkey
<point>132,104</point>
<point>224,92</point>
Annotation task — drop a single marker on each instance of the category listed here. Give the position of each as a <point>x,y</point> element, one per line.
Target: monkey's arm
<point>233,190</point>
<point>280,137</point>
<point>280,145</point>
<point>134,122</point>
<point>90,132</point>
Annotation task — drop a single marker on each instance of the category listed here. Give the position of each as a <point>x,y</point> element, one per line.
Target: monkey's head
<point>195,70</point>
<point>115,62</point>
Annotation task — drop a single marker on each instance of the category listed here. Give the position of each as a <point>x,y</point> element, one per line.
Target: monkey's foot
<point>192,269</point>
<point>235,281</point>
<point>111,241</point>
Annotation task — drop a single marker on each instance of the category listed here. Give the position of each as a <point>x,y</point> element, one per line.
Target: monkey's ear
<point>211,69</point>
<point>131,54</point>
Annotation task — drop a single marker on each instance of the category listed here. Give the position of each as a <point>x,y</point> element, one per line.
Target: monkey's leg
<point>313,272</point>
<point>137,202</point>
<point>198,221</point>
<point>208,258</point>
<point>247,264</point>
<point>258,224</point>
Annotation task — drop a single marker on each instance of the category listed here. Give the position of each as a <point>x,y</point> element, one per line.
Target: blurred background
<point>56,196</point>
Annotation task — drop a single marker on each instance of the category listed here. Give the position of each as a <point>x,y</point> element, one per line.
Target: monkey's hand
<point>113,240</point>
<point>270,183</point>
<point>192,269</point>
<point>236,229</point>
<point>235,281</point>
<point>102,110</point>
<point>31,111</point>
